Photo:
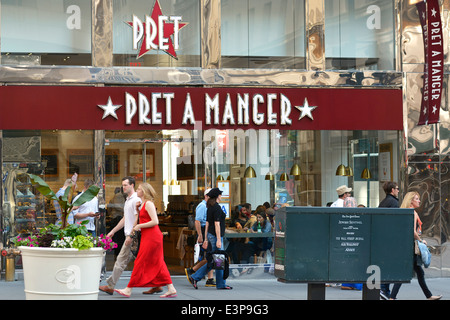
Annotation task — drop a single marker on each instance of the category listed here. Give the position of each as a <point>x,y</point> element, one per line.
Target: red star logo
<point>168,32</point>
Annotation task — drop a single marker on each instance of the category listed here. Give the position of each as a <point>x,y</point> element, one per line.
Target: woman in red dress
<point>149,270</point>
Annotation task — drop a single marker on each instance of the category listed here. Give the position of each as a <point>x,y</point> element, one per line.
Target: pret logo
<point>156,32</point>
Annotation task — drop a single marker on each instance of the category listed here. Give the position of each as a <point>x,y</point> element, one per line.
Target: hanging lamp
<point>295,170</point>
<point>349,171</point>
<point>340,171</point>
<point>249,172</point>
<point>284,177</point>
<point>269,176</point>
<point>366,174</point>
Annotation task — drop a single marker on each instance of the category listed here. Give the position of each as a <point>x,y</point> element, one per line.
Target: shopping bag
<point>196,252</point>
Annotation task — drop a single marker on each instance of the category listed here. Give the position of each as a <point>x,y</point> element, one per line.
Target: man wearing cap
<point>343,192</point>
<point>200,222</point>
<point>214,229</point>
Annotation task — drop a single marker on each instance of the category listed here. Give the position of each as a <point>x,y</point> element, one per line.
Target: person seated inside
<point>234,248</point>
<point>241,218</point>
<point>262,225</point>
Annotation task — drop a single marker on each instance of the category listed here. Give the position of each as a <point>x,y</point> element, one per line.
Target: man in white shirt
<point>343,192</point>
<point>127,222</point>
<point>88,210</point>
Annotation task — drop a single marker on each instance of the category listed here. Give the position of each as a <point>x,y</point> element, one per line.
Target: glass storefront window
<point>130,46</point>
<point>46,32</point>
<point>359,35</point>
<point>257,34</point>
<point>291,168</point>
<point>54,155</point>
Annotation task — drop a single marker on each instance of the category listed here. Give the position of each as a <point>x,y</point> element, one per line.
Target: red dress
<point>150,269</point>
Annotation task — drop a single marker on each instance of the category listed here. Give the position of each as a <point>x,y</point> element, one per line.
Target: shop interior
<point>281,168</point>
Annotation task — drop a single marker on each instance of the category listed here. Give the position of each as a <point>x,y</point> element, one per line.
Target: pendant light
<point>340,171</point>
<point>366,174</point>
<point>220,178</point>
<point>249,172</point>
<point>284,177</point>
<point>349,171</point>
<point>269,176</point>
<point>295,170</point>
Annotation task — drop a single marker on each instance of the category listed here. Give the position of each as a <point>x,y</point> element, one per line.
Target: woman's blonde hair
<point>149,192</point>
<point>407,200</point>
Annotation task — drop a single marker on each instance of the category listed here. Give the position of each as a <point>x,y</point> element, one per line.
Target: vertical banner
<point>430,20</point>
<point>423,117</point>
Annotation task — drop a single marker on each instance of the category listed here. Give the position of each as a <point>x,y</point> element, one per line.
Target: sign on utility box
<point>335,245</point>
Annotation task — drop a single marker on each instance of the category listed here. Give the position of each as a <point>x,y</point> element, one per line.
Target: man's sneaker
<point>210,283</point>
<point>193,282</point>
<point>189,272</point>
<point>384,295</point>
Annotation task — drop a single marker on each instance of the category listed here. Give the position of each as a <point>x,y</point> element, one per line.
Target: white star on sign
<point>305,110</point>
<point>109,109</point>
<point>433,12</point>
<point>434,109</point>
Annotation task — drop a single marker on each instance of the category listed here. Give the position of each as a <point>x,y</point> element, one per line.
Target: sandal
<point>225,288</point>
<point>121,293</point>
<point>169,295</point>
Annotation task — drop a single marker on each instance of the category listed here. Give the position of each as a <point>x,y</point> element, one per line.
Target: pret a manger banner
<point>430,20</point>
<point>157,108</point>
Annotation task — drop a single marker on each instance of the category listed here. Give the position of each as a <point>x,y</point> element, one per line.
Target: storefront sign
<point>157,108</point>
<point>433,77</point>
<point>157,31</point>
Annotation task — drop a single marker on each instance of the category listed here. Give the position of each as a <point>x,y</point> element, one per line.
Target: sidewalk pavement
<point>252,290</point>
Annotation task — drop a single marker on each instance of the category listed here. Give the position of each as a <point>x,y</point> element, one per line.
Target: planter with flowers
<point>62,262</point>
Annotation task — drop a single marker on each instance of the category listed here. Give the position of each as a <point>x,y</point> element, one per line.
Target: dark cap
<point>214,193</point>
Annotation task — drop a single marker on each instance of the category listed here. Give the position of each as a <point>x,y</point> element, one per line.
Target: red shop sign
<point>430,20</point>
<point>156,108</point>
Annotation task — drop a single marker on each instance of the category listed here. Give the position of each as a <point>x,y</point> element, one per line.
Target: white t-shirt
<point>338,203</point>
<point>90,206</point>
<point>129,213</point>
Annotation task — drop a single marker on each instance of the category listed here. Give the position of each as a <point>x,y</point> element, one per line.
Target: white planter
<point>56,273</point>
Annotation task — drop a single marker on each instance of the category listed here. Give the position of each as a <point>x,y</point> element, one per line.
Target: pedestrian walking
<point>200,222</point>
<point>150,270</point>
<point>214,231</point>
<point>391,190</point>
<point>127,223</point>
<point>412,200</point>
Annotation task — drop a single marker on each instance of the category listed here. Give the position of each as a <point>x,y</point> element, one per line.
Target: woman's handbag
<point>136,243</point>
<point>416,248</point>
<point>218,259</point>
<point>425,255</point>
<point>136,237</point>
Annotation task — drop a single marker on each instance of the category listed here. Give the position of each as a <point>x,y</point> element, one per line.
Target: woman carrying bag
<point>149,270</point>
<point>412,200</point>
<point>214,229</point>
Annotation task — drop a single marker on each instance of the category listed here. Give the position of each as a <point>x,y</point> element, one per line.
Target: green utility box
<point>322,244</point>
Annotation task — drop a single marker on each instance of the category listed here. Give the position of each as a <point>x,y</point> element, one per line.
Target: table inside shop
<point>233,234</point>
